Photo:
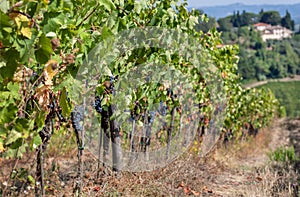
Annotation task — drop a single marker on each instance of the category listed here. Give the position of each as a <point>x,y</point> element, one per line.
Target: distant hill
<point>222,11</point>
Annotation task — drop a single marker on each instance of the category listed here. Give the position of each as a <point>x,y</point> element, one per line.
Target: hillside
<point>222,11</point>
<point>285,90</point>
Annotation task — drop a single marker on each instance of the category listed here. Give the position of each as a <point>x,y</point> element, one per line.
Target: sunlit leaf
<point>23,24</point>
<point>13,135</point>
<point>108,4</point>
<point>4,6</point>
<point>65,103</point>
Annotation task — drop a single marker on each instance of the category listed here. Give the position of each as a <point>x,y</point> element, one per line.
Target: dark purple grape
<point>77,116</point>
<point>97,104</point>
<point>162,109</point>
<point>152,116</point>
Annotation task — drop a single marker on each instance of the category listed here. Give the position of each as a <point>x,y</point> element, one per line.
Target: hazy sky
<point>199,3</point>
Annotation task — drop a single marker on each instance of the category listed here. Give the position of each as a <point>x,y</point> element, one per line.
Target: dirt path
<point>242,169</point>
<point>293,126</point>
<point>259,83</point>
<point>248,173</point>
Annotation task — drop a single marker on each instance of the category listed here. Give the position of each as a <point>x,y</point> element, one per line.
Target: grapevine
<point>44,46</point>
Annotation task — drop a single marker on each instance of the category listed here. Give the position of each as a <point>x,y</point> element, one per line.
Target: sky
<point>199,3</point>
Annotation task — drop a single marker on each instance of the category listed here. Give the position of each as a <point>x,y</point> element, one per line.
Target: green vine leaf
<point>45,49</point>
<point>13,136</point>
<point>108,4</point>
<point>65,103</point>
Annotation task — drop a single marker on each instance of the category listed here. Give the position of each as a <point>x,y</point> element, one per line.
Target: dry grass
<point>240,169</point>
<point>277,180</point>
<point>251,151</point>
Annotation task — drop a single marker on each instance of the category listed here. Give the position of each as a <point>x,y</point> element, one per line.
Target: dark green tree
<point>225,24</point>
<point>287,21</point>
<point>261,12</point>
<point>244,19</point>
<point>271,17</point>
<point>236,19</point>
<point>246,68</point>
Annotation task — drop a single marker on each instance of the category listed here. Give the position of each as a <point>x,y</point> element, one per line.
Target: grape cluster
<point>112,79</point>
<point>148,78</point>
<point>151,117</point>
<point>97,104</point>
<point>171,94</point>
<point>56,109</point>
<point>162,109</point>
<point>77,118</point>
<point>132,116</point>
<point>111,88</point>
<point>59,115</point>
<point>34,77</point>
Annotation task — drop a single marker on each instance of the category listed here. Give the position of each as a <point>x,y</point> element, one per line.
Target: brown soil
<point>240,169</point>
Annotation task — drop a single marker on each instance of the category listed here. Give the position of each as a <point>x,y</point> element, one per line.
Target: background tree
<point>259,59</point>
<point>225,24</point>
<point>287,21</point>
<point>271,17</point>
<point>249,18</point>
<point>244,19</point>
<point>236,19</point>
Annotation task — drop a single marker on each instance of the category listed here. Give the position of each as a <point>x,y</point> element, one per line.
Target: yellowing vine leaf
<point>50,70</point>
<point>42,92</point>
<point>46,2</point>
<point>1,147</point>
<point>23,24</point>
<point>26,32</point>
